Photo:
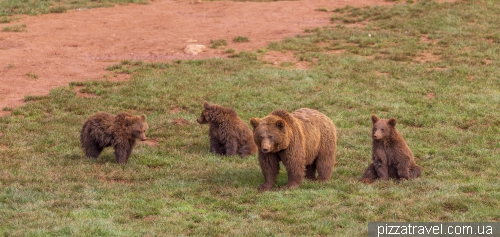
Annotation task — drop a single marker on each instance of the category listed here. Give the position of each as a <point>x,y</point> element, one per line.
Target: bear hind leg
<point>92,150</point>
<point>311,171</point>
<point>415,171</point>
<point>122,154</point>
<point>324,165</point>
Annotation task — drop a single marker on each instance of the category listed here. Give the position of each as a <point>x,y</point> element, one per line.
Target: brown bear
<point>121,131</point>
<point>305,141</point>
<point>391,156</point>
<point>229,135</point>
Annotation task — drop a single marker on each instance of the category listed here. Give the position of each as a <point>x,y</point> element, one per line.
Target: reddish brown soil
<point>79,45</point>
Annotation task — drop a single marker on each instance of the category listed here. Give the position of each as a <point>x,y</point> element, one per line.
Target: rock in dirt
<point>195,49</point>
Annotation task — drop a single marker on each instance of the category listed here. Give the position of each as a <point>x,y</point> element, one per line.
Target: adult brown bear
<point>391,156</point>
<point>120,132</point>
<point>305,141</point>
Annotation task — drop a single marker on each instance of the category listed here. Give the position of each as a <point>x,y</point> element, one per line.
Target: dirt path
<point>79,45</point>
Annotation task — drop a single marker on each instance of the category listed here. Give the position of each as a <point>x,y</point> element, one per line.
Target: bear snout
<point>265,146</point>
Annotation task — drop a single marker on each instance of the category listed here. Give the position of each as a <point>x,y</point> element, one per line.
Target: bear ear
<point>284,115</point>
<point>392,122</point>
<point>374,118</point>
<point>280,124</point>
<point>206,105</point>
<point>254,122</point>
<point>143,117</point>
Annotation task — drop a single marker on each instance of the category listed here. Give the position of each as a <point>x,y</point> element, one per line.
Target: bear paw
<point>265,187</point>
<point>366,181</point>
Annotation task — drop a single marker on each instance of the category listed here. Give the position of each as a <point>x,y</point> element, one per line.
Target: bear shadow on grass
<point>106,156</point>
<point>248,177</point>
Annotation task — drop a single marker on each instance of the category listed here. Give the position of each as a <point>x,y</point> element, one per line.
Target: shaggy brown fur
<point>120,132</point>
<point>229,135</point>
<point>305,141</point>
<point>391,157</point>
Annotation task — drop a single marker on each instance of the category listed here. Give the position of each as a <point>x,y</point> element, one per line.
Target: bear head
<point>382,129</point>
<point>137,126</point>
<point>215,114</point>
<point>273,132</point>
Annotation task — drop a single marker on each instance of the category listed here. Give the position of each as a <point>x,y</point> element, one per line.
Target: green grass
<point>446,106</point>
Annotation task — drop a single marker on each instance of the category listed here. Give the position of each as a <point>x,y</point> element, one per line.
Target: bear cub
<point>120,132</point>
<point>229,135</point>
<point>391,156</point>
<point>305,141</point>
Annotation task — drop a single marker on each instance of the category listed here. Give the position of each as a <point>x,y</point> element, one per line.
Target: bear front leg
<point>296,169</point>
<point>270,166</point>
<point>382,171</point>
<point>121,154</point>
<point>370,174</point>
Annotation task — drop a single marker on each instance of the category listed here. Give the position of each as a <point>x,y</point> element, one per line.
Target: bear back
<point>216,114</point>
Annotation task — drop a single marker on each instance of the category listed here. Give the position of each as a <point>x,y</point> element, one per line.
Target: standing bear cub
<point>120,132</point>
<point>229,135</point>
<point>391,157</point>
<point>305,141</point>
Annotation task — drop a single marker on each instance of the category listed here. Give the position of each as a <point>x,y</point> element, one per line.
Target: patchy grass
<point>15,28</point>
<point>30,7</point>
<point>218,43</point>
<point>447,110</point>
<point>241,39</point>
<point>32,75</point>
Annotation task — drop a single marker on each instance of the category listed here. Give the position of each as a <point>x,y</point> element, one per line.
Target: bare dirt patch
<point>81,44</point>
<point>180,122</point>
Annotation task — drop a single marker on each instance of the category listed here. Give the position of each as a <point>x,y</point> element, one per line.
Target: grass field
<point>435,67</point>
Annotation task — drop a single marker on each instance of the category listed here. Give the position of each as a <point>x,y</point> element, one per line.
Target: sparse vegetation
<point>5,19</point>
<point>230,51</point>
<point>433,66</point>
<point>15,28</point>
<point>58,9</point>
<point>32,75</point>
<point>218,43</point>
<point>241,39</point>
